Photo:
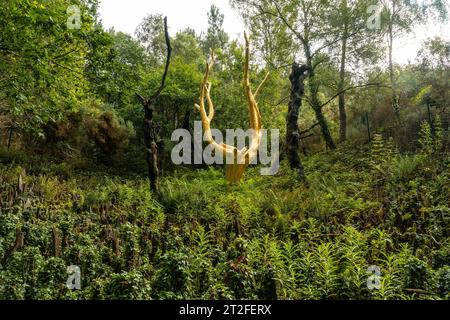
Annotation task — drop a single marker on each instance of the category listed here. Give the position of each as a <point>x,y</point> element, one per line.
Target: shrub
<point>108,134</point>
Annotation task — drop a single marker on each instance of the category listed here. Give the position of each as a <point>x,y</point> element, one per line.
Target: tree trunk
<point>153,142</point>
<point>342,111</point>
<point>292,131</point>
<point>187,126</point>
<point>395,106</point>
<point>20,236</point>
<point>324,128</point>
<point>315,103</point>
<point>154,145</point>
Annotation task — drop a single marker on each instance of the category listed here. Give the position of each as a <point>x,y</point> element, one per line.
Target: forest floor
<point>369,225</point>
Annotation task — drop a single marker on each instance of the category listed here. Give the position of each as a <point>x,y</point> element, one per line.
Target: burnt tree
<point>293,135</point>
<point>154,144</point>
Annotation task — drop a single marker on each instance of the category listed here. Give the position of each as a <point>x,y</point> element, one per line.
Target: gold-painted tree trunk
<point>242,157</point>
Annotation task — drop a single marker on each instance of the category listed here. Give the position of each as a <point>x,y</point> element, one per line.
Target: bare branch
<point>261,84</point>
<point>210,103</point>
<point>288,25</point>
<point>309,129</point>
<point>318,62</point>
<point>281,101</point>
<point>255,117</point>
<point>140,98</point>
<point>305,137</point>
<point>166,69</point>
<point>350,88</point>
<point>335,40</point>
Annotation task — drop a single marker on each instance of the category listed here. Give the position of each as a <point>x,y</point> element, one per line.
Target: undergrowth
<point>267,238</point>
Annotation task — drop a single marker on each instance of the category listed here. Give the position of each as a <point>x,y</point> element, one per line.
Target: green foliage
<point>216,37</point>
<point>150,33</point>
<point>438,134</point>
<point>43,64</point>
<point>205,239</point>
<point>426,138</point>
<point>108,134</point>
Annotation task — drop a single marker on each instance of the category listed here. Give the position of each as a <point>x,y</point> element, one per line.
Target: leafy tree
<point>42,66</point>
<point>399,17</point>
<point>116,69</point>
<point>305,22</point>
<point>433,73</point>
<point>153,141</point>
<point>150,33</point>
<point>186,46</point>
<point>216,37</point>
<point>435,54</point>
<point>271,36</point>
<point>355,45</point>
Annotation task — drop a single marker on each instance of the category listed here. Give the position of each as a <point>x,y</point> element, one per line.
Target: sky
<point>125,15</point>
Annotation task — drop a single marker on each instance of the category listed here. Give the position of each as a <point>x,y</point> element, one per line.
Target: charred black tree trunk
<point>154,144</point>
<point>187,126</point>
<point>153,147</point>
<point>297,76</point>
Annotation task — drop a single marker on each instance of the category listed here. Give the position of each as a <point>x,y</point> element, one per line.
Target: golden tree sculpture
<point>241,158</point>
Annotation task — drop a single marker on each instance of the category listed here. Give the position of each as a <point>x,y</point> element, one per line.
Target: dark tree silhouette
<point>297,76</point>
<point>154,144</point>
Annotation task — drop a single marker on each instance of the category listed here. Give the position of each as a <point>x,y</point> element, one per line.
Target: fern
<point>425,138</point>
<point>438,134</point>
